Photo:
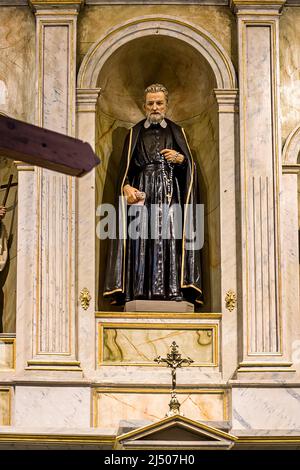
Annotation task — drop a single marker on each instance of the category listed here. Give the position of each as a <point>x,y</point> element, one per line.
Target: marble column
<point>263,330</point>
<point>54,340</point>
<point>228,156</point>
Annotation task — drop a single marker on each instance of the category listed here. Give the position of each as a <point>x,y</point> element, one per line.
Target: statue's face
<point>155,106</point>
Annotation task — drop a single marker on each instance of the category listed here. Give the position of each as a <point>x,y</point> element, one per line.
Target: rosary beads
<point>168,179</point>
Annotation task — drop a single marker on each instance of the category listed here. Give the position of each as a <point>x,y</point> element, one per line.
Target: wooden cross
<point>47,149</point>
<point>7,188</point>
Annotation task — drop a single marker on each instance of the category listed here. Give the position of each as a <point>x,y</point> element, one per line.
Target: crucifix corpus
<point>174,361</point>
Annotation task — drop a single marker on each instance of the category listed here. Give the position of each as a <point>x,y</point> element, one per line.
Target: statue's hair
<point>155,88</point>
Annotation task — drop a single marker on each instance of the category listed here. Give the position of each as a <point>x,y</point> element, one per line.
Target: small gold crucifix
<point>173,360</point>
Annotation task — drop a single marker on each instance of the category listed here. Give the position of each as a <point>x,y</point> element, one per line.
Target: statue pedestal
<point>159,306</point>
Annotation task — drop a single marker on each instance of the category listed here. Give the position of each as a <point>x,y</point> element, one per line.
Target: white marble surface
<point>25,266</point>
<point>40,407</point>
<point>266,408</point>
<point>290,267</point>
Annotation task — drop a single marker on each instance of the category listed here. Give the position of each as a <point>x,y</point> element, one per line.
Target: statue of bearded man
<point>158,174</point>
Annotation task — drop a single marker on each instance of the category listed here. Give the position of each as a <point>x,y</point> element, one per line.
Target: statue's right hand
<point>131,194</point>
<point>2,212</point>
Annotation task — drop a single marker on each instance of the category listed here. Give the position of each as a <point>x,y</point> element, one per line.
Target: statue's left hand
<point>172,156</point>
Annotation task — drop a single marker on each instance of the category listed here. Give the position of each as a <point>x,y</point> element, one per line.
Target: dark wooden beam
<point>47,149</point>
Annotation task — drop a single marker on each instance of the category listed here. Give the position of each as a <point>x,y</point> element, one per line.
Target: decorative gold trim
<point>9,340</point>
<point>268,439</point>
<point>111,440</point>
<point>85,298</point>
<point>112,292</point>
<point>182,285</point>
<point>170,315</point>
<point>158,326</point>
<point>57,439</point>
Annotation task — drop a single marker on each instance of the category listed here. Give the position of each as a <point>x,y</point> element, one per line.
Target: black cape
<point>118,265</point>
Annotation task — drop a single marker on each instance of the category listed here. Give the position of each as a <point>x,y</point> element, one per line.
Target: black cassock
<point>157,262</point>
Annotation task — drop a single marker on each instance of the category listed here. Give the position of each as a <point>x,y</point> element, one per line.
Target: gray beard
<point>155,119</point>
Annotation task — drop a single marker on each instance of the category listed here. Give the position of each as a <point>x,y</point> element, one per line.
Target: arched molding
<point>291,147</point>
<point>151,25</point>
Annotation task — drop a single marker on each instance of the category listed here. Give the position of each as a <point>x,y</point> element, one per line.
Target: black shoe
<point>177,298</point>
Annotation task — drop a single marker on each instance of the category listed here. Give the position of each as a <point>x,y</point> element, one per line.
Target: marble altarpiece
<point>73,367</point>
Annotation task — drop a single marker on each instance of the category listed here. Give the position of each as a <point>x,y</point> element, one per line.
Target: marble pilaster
<point>54,342</point>
<point>260,178</point>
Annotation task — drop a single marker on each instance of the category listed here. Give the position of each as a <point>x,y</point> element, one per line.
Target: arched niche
<point>192,65</point>
<point>291,160</point>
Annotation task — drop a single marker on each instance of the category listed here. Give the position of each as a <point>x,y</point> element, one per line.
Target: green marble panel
<point>140,344</point>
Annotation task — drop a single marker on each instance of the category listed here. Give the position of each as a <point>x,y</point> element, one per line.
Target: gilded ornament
<point>230,300</point>
<point>85,298</point>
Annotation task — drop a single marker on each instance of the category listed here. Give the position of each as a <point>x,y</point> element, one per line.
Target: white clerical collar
<point>162,123</point>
